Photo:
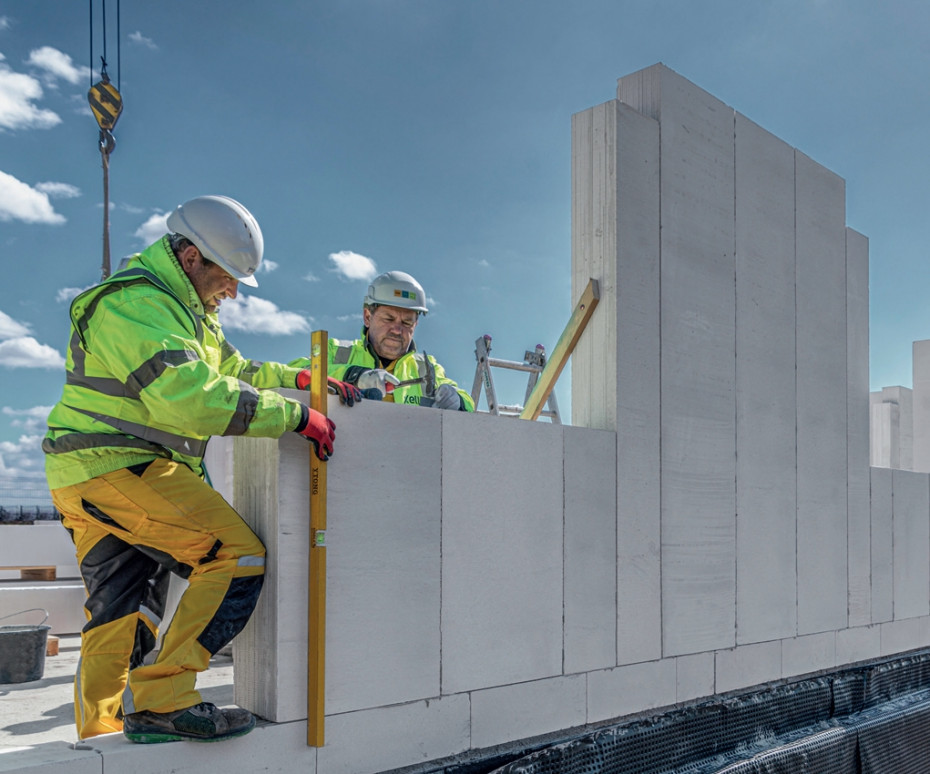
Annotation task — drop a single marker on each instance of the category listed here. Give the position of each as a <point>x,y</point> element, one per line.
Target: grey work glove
<point>447,397</point>
<point>377,379</point>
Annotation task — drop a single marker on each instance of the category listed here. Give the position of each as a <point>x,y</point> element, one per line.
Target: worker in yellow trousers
<point>150,377</point>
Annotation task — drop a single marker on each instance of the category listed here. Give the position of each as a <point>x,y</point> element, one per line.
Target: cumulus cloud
<point>140,39</point>
<point>10,328</point>
<point>257,315</point>
<point>18,93</point>
<point>22,459</point>
<point>19,201</point>
<point>4,25</point>
<point>26,352</point>
<point>353,266</point>
<point>311,277</point>
<point>20,350</point>
<point>59,190</point>
<point>58,64</point>
<point>267,266</point>
<point>32,420</point>
<point>153,229</point>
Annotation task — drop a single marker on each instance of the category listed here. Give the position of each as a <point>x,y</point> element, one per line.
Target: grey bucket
<point>22,649</point>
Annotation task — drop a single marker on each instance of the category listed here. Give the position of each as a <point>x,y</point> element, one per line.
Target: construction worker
<point>385,363</point>
<point>150,377</point>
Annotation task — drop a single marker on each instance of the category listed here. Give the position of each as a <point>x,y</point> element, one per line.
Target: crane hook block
<point>105,103</point>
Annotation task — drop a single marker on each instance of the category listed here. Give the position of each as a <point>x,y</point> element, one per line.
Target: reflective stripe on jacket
<point>149,374</point>
<point>344,354</point>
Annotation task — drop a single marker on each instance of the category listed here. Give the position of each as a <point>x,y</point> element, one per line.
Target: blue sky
<point>431,136</point>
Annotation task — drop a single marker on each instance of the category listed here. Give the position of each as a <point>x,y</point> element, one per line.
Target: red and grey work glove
<point>347,393</point>
<point>447,397</point>
<point>377,379</point>
<point>319,429</point>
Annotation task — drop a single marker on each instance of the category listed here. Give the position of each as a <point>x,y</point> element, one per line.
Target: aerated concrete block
<point>822,418</point>
<point>391,737</point>
<point>747,665</point>
<point>766,400</point>
<point>616,365</point>
<point>694,676</point>
<point>811,653</point>
<point>502,548</point>
<point>273,749</point>
<point>882,543</point>
<point>614,693</point>
<point>921,406</point>
<point>911,517</point>
<point>382,629</point>
<point>590,549</point>
<point>511,712</point>
<point>49,758</point>
<point>857,420</point>
<point>698,356</point>
<point>859,644</point>
<point>903,635</point>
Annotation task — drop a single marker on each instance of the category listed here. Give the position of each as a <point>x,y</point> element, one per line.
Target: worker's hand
<point>447,397</point>
<point>319,429</point>
<point>348,393</point>
<point>303,379</point>
<point>377,379</point>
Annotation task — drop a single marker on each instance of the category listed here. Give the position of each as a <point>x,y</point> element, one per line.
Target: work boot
<point>203,722</point>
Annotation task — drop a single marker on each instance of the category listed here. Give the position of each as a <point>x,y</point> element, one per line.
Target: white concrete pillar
<point>822,383</point>
<point>766,400</point>
<point>616,366</point>
<point>921,405</point>
<point>697,358</point>
<point>857,421</point>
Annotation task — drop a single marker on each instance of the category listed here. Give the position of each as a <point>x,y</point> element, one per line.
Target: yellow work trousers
<point>130,529</point>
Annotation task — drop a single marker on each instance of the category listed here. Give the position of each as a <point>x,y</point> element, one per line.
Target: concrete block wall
<point>713,525</point>
<point>891,412</point>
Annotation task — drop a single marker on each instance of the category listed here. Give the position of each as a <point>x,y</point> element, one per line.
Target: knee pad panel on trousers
<point>116,576</point>
<point>233,613</point>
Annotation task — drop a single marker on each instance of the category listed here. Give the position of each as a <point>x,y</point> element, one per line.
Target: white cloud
<point>349,317</point>
<point>256,315</point>
<point>59,190</point>
<point>18,92</point>
<point>268,266</point>
<point>484,262</point>
<point>153,229</point>
<point>18,201</point>
<point>58,64</point>
<point>68,294</point>
<point>23,458</point>
<point>10,328</point>
<point>32,420</point>
<point>140,39</point>
<point>311,277</point>
<point>353,266</point>
<point>26,352</point>
<point>4,25</point>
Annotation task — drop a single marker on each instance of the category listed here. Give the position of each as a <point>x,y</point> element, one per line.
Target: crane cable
<point>106,103</point>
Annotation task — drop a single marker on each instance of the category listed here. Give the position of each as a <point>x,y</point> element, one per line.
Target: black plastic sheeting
<point>873,719</point>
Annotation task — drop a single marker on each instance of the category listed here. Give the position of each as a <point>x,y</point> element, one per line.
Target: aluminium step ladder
<point>533,363</point>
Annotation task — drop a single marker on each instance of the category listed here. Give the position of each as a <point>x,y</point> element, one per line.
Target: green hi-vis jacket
<point>150,374</point>
<point>347,359</point>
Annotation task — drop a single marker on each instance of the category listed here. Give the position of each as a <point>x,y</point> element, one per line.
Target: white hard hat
<point>224,231</point>
<point>397,288</point>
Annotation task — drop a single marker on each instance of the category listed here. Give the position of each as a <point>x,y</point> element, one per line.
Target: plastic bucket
<point>22,650</point>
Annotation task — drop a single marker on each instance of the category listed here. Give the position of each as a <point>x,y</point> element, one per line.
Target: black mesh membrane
<point>872,719</point>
